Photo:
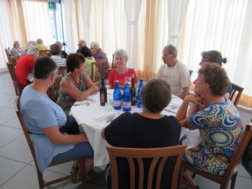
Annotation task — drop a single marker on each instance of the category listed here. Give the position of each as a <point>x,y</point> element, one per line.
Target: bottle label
<point>117,104</point>
<point>126,106</point>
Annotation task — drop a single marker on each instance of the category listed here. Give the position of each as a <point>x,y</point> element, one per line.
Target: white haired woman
<point>122,73</point>
<point>99,55</point>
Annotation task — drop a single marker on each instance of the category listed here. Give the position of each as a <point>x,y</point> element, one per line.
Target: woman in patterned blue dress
<point>217,119</point>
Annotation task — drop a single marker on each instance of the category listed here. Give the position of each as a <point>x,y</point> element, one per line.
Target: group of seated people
<point>207,109</point>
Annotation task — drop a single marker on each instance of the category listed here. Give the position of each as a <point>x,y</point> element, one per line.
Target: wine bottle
<point>133,91</point>
<point>103,93</point>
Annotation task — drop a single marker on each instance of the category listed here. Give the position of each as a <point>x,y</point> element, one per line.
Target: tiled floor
<point>17,169</point>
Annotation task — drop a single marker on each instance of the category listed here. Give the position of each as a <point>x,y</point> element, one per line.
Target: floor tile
<point>243,173</point>
<point>7,114</point>
<point>18,150</point>
<point>7,100</point>
<point>27,179</point>
<point>62,168</point>
<point>8,168</point>
<point>14,123</point>
<point>8,134</point>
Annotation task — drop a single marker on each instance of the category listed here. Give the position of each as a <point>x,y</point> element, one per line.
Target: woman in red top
<point>121,73</point>
<point>25,66</point>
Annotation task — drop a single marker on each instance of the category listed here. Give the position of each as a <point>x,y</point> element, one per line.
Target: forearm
<point>184,92</point>
<point>182,112</point>
<point>70,139</point>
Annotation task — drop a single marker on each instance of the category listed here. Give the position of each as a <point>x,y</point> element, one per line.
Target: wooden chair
<point>53,91</point>
<point>11,68</point>
<point>156,154</point>
<point>97,70</point>
<point>62,70</point>
<point>236,93</point>
<point>43,183</point>
<point>44,53</point>
<point>232,169</point>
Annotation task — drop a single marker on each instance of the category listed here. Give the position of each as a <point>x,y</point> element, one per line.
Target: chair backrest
<point>237,157</point>
<point>44,53</point>
<point>7,51</point>
<point>156,154</point>
<point>236,93</point>
<point>26,133</point>
<point>11,68</point>
<point>53,90</point>
<point>62,70</point>
<point>97,70</point>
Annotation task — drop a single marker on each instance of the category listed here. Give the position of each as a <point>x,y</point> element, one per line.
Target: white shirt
<point>58,60</point>
<point>177,76</point>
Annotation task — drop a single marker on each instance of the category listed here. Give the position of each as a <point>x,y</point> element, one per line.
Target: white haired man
<point>174,72</point>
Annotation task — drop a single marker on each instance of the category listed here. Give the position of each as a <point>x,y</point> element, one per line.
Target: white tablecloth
<point>92,118</point>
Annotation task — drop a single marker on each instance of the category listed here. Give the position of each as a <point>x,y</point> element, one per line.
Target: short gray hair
<point>32,44</point>
<point>15,43</point>
<point>122,53</point>
<point>95,45</point>
<point>32,50</point>
<point>171,49</point>
<point>156,95</point>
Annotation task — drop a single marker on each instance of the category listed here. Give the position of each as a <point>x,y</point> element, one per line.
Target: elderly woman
<point>219,122</point>
<point>214,57</point>
<point>99,55</point>
<point>46,121</point>
<point>121,73</point>
<point>16,50</point>
<point>86,52</point>
<point>24,67</point>
<point>76,85</point>
<point>148,129</point>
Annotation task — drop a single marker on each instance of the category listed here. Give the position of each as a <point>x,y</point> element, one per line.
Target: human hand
<point>195,99</point>
<point>93,89</point>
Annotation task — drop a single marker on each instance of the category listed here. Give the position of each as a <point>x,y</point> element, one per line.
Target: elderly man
<point>25,66</point>
<point>41,46</point>
<point>174,72</point>
<point>16,50</point>
<point>29,44</point>
<point>82,43</point>
<point>99,55</point>
<point>56,55</point>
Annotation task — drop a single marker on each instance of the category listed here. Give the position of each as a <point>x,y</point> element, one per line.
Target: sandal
<point>89,176</point>
<point>74,170</point>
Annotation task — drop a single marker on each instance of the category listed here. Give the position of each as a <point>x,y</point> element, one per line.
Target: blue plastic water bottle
<point>117,97</point>
<point>126,98</point>
<point>138,97</point>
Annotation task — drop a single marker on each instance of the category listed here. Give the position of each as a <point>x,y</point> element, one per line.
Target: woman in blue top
<point>45,121</point>
<point>218,121</point>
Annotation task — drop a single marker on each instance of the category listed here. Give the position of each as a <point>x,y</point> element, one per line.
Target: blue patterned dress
<point>221,131</point>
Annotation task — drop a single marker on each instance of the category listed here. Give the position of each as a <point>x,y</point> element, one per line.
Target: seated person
<point>82,43</point>
<point>174,72</point>
<point>56,55</point>
<point>99,55</point>
<point>215,57</point>
<point>121,73</point>
<point>219,122</point>
<point>41,46</point>
<point>46,121</point>
<point>86,52</point>
<point>148,129</point>
<point>25,65</point>
<point>16,50</point>
<point>76,85</point>
<point>29,44</point>
<point>63,53</point>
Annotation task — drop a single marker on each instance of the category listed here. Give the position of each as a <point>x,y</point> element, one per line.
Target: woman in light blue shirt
<point>45,120</point>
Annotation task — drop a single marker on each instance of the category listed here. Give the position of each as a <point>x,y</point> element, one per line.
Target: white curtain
<point>86,6</point>
<point>132,10</point>
<point>214,25</point>
<point>176,14</point>
<point>37,21</point>
<point>7,32</point>
<point>241,73</point>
